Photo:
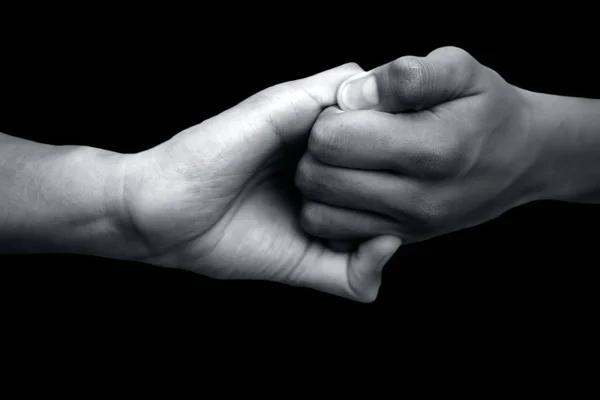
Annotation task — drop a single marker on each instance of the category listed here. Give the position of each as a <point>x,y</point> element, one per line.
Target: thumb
<point>354,275</point>
<point>278,116</point>
<point>366,265</point>
<point>413,83</point>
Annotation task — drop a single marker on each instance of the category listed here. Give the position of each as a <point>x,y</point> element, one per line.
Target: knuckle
<point>318,136</point>
<point>411,74</point>
<point>311,218</point>
<point>307,178</point>
<point>323,139</point>
<point>278,93</point>
<point>447,157</point>
<point>461,63</point>
<point>432,214</point>
<point>291,94</point>
<point>303,174</point>
<point>454,54</point>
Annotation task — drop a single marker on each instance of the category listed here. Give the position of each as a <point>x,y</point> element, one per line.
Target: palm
<point>258,236</point>
<point>255,235</point>
<point>223,202</point>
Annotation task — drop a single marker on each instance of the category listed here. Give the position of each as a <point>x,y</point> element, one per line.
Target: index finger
<point>416,144</point>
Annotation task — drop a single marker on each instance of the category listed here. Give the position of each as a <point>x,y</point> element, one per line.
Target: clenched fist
<point>418,147</point>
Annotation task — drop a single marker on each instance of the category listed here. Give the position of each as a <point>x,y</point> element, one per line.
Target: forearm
<point>64,199</point>
<point>569,132</point>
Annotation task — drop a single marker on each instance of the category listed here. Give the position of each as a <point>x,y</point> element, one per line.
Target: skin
<point>444,144</point>
<point>217,199</point>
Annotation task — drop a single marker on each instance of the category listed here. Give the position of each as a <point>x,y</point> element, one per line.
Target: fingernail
<point>358,93</point>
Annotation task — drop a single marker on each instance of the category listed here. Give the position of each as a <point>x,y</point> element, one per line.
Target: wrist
<point>566,130</point>
<point>127,244</point>
<point>539,148</point>
<point>62,199</point>
<point>124,172</point>
<point>97,220</point>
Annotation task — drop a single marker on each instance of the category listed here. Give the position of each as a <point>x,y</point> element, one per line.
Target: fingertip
<point>343,70</point>
<point>322,87</point>
<point>352,67</point>
<point>366,264</point>
<point>387,247</point>
<point>358,92</point>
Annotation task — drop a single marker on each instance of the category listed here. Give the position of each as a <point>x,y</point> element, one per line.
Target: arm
<point>569,131</point>
<point>61,199</point>
<point>213,199</point>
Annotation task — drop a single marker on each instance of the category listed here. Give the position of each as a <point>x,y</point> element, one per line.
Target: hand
<point>419,148</point>
<point>218,198</point>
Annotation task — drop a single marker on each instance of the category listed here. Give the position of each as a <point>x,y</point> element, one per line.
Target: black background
<point>128,81</point>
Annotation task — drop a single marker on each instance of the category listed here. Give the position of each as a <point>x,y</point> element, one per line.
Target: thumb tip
<point>365,271</point>
<point>375,253</point>
<point>387,246</point>
<point>359,92</point>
